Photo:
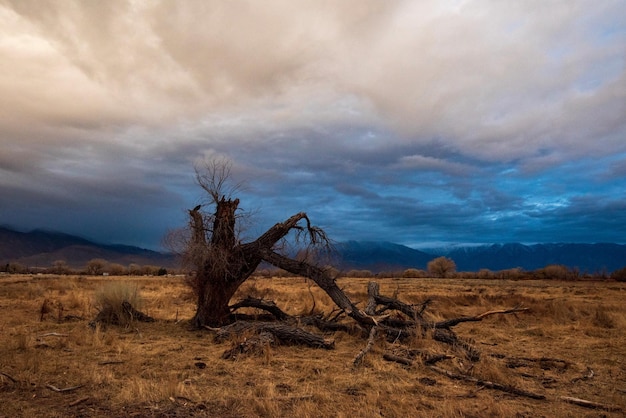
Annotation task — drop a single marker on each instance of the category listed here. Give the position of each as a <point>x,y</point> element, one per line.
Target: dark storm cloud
<point>414,122</point>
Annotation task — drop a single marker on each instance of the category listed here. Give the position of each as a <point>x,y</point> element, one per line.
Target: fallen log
<point>284,334</point>
<point>326,325</point>
<point>398,359</point>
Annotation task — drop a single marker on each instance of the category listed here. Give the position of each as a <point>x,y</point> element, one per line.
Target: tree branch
<point>448,323</point>
<point>266,305</point>
<point>370,343</point>
<point>275,233</point>
<point>323,280</point>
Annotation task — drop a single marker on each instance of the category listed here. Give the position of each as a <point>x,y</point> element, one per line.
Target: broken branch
<point>370,343</point>
<point>68,389</point>
<point>78,401</point>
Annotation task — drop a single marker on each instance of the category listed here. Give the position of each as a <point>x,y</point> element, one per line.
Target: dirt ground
<point>570,343</point>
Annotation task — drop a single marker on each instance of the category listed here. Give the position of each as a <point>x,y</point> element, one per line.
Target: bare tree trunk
<point>219,271</point>
<point>212,307</point>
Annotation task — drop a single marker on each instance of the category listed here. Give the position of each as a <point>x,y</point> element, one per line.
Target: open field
<point>164,369</point>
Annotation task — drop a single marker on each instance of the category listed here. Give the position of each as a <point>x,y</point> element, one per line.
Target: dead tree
<point>222,264</point>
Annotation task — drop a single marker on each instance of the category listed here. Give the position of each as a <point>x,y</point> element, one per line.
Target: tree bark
<point>212,307</point>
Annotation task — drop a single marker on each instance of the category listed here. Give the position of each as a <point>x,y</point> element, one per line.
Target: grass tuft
<point>109,299</point>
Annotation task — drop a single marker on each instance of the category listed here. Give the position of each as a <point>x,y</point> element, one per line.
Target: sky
<point>424,123</point>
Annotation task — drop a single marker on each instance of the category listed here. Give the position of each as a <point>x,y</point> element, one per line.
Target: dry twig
<point>53,334</point>
<point>592,405</point>
<point>78,401</point>
<point>68,389</point>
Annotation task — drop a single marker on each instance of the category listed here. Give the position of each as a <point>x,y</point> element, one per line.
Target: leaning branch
<point>323,279</point>
<point>283,333</point>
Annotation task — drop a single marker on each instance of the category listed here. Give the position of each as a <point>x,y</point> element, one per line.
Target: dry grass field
<point>571,342</point>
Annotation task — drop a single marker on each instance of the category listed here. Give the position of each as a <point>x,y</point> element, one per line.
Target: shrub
<point>116,269</point>
<point>441,267</point>
<point>619,275</point>
<point>484,274</point>
<point>109,301</point>
<point>554,272</point>
<point>510,274</point>
<point>413,273</point>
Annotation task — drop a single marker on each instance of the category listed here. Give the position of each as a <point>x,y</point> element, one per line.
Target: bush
<point>109,301</point>
<point>116,269</point>
<point>619,275</point>
<point>413,273</point>
<point>553,272</point>
<point>441,267</point>
<point>510,274</point>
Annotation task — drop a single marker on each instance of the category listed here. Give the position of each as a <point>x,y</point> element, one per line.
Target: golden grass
<point>165,369</point>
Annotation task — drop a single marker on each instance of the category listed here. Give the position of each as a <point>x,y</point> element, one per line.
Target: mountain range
<point>41,248</point>
<point>385,256</point>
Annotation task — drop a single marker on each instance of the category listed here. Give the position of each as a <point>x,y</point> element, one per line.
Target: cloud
<point>414,120</point>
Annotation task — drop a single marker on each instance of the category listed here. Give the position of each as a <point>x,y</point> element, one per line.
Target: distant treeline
<point>549,272</point>
<point>95,267</point>
<point>441,267</point>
